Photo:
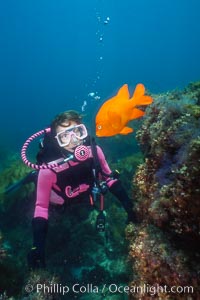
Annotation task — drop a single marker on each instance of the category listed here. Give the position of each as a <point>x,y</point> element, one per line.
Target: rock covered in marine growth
<point>167,184</point>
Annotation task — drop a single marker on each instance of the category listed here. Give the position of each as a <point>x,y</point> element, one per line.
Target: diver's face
<point>67,137</point>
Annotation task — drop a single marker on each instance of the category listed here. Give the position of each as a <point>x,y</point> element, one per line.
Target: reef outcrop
<point>164,247</point>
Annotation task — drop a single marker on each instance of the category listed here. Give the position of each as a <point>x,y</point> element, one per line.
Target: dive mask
<point>75,131</point>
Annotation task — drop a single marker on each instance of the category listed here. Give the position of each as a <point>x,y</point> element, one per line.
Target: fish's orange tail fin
<point>137,113</point>
<point>139,98</point>
<point>139,90</point>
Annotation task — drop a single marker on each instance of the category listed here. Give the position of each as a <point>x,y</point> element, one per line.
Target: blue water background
<point>54,53</point>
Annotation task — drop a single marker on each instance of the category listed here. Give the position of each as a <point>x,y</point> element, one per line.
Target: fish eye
<point>99,127</point>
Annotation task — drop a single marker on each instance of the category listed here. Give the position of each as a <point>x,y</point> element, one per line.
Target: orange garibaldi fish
<point>116,112</point>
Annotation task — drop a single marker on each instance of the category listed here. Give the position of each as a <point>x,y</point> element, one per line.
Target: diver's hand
<point>36,259</point>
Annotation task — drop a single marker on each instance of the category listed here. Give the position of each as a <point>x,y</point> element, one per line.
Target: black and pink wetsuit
<point>69,181</point>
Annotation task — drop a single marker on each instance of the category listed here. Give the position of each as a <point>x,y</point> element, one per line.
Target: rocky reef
<point>164,248</point>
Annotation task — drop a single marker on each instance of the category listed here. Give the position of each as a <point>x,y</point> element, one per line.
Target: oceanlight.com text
<point>152,290</point>
<point>106,289</point>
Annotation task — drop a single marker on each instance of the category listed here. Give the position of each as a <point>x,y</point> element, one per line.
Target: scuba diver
<point>71,169</point>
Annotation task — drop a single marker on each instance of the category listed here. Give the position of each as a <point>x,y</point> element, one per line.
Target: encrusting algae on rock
<point>164,248</point>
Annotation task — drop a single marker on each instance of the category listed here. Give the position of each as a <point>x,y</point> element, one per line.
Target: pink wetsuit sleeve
<point>105,167</point>
<point>46,179</point>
